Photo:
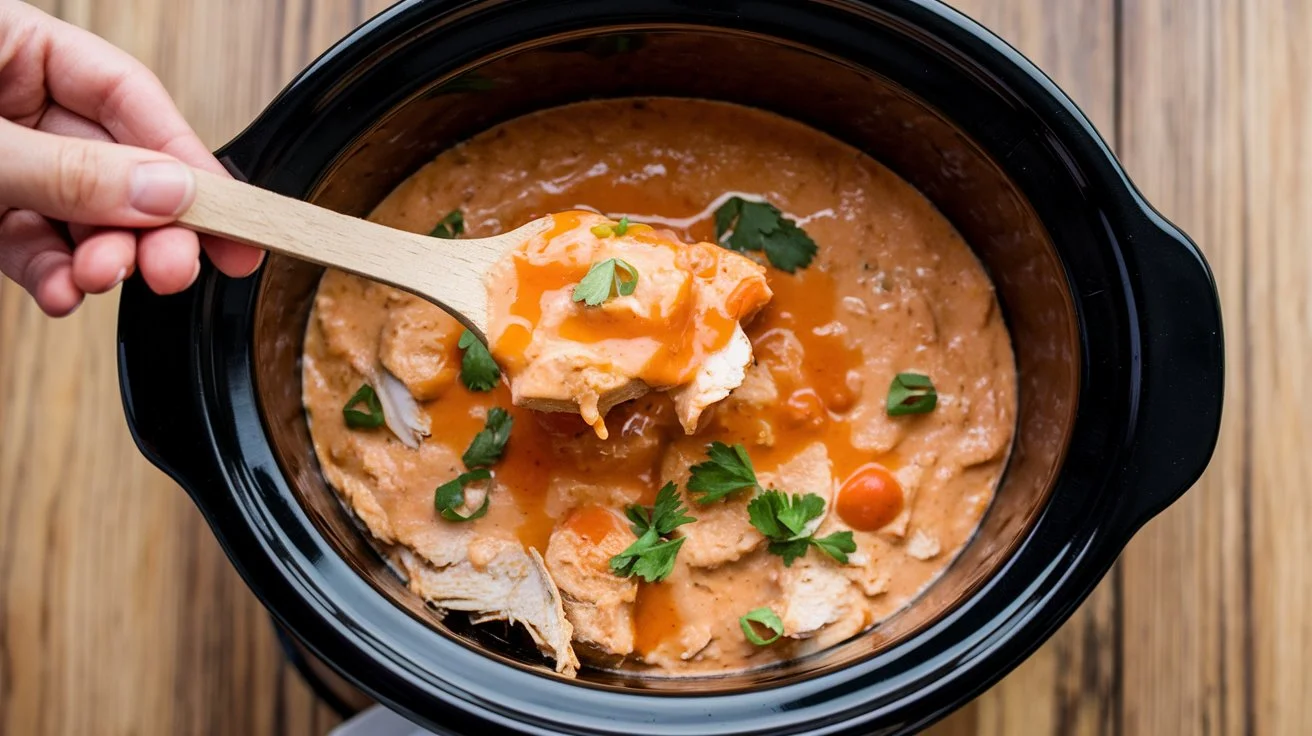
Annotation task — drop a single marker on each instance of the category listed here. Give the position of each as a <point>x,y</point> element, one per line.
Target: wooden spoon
<point>448,273</point>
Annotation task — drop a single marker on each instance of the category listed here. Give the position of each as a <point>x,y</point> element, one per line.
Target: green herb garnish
<point>451,226</point>
<point>760,226</point>
<point>727,471</point>
<point>783,520</point>
<point>765,617</point>
<point>478,371</point>
<point>603,280</point>
<point>486,448</point>
<point>372,417</point>
<point>451,496</point>
<point>911,393</point>
<point>651,557</point>
<point>622,227</point>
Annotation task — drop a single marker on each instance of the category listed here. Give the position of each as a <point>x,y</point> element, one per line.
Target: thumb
<point>90,182</point>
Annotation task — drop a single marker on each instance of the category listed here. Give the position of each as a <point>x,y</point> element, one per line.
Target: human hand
<point>89,138</point>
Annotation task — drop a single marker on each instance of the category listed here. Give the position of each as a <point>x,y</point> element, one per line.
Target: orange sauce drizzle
<point>656,617</point>
<point>677,340</point>
<point>593,523</point>
<point>813,402</point>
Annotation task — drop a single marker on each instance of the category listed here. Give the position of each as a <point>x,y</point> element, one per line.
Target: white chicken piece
<point>416,346</point>
<point>513,586</point>
<point>402,414</point>
<point>597,602</point>
<point>816,594</point>
<point>720,373</point>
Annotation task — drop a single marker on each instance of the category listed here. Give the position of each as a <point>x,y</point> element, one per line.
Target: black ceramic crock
<point>1113,313</point>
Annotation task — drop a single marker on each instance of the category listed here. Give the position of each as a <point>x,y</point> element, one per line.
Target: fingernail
<point>195,272</point>
<point>162,188</point>
<point>118,277</point>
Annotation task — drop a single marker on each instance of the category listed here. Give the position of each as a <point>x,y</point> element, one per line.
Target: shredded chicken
<point>513,586</point>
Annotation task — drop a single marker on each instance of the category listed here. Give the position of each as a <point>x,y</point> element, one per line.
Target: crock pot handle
<point>158,382</point>
<point>1182,364</point>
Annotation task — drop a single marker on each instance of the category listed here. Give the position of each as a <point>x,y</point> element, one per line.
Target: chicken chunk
<point>513,586</point>
<point>418,346</point>
<point>597,602</point>
<point>724,532</point>
<point>722,372</point>
<point>666,316</point>
<point>816,594</point>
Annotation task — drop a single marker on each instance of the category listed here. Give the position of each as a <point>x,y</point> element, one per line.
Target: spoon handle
<point>447,273</point>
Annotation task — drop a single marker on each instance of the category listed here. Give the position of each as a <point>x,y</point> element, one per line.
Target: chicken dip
<point>685,531</point>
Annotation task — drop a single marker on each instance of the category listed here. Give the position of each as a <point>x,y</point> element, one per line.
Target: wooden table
<point>119,614</point>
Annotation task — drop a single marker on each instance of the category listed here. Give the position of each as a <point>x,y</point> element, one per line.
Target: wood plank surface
<point>119,614</point>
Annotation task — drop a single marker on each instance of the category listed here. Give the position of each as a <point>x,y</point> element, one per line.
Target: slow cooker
<point>1112,310</point>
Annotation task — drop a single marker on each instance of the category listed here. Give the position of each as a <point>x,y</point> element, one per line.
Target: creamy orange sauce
<point>893,289</point>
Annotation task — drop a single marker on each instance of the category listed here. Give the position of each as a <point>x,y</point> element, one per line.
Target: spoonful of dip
<point>582,312</point>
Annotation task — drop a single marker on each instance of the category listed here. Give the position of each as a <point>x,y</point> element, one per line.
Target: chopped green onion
<point>766,618</point>
<point>369,419</point>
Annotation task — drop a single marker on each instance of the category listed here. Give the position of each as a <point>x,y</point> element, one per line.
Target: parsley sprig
<point>486,448</point>
<point>760,226</point>
<point>783,520</point>
<point>651,557</point>
<point>478,371</point>
<point>604,280</point>
<point>727,471</point>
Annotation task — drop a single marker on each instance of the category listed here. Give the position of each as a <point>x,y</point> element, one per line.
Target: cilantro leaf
<point>487,446</point>
<point>657,561</point>
<point>451,226</point>
<point>760,226</point>
<point>837,545</point>
<point>727,471</point>
<point>783,520</point>
<point>911,393</point>
<point>451,496</point>
<point>794,516</point>
<point>651,556</point>
<point>478,371</point>
<point>604,280</point>
<point>766,618</point>
<point>667,515</point>
<point>789,550</point>
<point>788,248</point>
<point>622,563</point>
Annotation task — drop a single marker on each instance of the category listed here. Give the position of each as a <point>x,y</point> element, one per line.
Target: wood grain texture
<point>119,614</point>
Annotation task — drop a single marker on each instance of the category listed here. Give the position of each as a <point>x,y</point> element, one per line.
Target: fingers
<point>97,81</point>
<point>90,182</point>
<point>35,256</point>
<point>169,259</point>
<point>103,259</point>
<point>61,121</point>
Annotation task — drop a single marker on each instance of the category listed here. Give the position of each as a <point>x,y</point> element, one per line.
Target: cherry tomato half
<point>870,498</point>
